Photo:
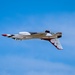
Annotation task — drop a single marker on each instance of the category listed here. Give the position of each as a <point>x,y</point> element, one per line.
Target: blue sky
<point>36,57</point>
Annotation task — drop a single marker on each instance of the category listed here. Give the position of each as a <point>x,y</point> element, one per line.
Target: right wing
<point>55,42</point>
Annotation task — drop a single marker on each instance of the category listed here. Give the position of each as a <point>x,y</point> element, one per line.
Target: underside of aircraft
<point>47,35</point>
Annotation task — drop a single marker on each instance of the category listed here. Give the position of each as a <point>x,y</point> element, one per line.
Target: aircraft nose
<point>4,34</point>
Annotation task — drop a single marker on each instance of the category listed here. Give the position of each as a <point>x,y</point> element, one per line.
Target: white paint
<point>48,34</point>
<point>24,33</point>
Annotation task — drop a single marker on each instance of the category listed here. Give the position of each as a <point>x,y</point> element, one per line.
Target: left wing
<point>15,36</point>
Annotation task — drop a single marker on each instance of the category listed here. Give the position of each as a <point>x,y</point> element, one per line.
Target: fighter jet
<point>47,35</point>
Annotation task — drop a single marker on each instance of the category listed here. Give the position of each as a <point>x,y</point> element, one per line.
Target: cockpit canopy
<point>24,33</point>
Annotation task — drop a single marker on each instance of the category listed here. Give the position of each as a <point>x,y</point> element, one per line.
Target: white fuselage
<point>33,35</point>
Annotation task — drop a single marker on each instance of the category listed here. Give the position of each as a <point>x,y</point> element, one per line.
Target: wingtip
<point>4,34</point>
<point>60,48</point>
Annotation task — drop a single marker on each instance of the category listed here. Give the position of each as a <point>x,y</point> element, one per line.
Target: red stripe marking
<point>4,34</point>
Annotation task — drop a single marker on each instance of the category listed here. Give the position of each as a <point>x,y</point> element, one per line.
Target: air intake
<point>47,31</point>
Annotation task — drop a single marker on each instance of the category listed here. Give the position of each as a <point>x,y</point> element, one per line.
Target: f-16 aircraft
<point>47,35</point>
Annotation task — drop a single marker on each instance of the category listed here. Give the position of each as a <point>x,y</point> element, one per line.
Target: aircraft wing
<point>56,43</point>
<point>13,36</point>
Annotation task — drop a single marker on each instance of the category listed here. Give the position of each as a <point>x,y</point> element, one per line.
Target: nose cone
<point>4,34</point>
<point>59,33</point>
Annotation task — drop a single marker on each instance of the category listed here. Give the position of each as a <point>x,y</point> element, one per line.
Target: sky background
<point>36,57</point>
